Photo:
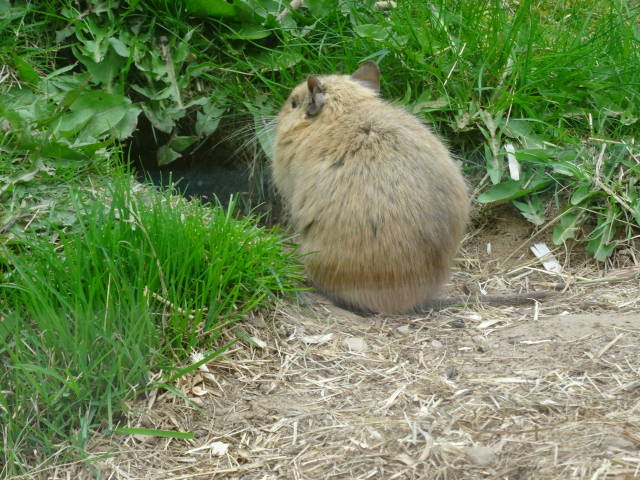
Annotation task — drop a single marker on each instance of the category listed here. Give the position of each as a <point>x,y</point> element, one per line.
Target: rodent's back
<point>375,194</point>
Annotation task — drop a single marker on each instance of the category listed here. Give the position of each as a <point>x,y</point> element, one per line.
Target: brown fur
<point>375,196</point>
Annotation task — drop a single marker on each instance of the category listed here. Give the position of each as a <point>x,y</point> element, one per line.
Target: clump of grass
<point>139,282</point>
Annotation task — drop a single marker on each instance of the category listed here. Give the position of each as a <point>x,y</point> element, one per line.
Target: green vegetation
<point>141,280</point>
<point>540,98</point>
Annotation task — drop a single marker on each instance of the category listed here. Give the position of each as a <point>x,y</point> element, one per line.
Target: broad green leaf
<point>516,128</point>
<point>512,189</point>
<point>601,244</point>
<point>64,33</point>
<point>249,32</point>
<point>72,95</point>
<point>211,8</point>
<point>568,169</point>
<point>503,191</point>
<point>127,125</point>
<point>492,122</point>
<point>92,36</point>
<point>628,117</point>
<point>276,60</point>
<point>532,209</point>
<point>319,8</point>
<point>372,31</point>
<point>347,6</point>
<point>103,122</point>
<point>7,184</point>
<point>153,93</point>
<point>106,69</point>
<point>58,150</point>
<point>49,148</point>
<point>89,148</point>
<point>181,50</point>
<point>119,47</point>
<point>520,129</point>
<point>180,144</point>
<point>25,70</point>
<point>199,101</point>
<point>426,103</point>
<point>267,9</point>
<point>493,164</point>
<point>533,155</point>
<point>567,227</point>
<point>11,116</point>
<point>580,194</point>
<point>32,109</point>
<point>159,117</point>
<point>567,155</point>
<point>208,119</point>
<point>600,248</point>
<point>464,121</point>
<point>72,122</point>
<point>59,215</point>
<point>166,155</point>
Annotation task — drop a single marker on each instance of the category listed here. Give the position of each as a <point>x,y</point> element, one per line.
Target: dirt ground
<point>541,391</point>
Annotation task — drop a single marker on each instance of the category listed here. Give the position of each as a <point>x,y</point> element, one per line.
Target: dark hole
<point>212,170</point>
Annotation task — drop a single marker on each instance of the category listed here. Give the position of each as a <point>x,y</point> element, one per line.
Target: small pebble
<point>355,344</point>
<point>481,344</point>
<point>451,372</point>
<point>480,455</point>
<point>404,330</point>
<point>616,441</point>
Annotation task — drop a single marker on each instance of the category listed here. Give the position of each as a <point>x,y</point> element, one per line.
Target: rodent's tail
<point>494,300</point>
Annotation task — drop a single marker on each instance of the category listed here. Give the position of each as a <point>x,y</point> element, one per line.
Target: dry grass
<point>549,391</point>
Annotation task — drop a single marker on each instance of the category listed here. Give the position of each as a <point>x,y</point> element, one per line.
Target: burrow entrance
<point>214,170</point>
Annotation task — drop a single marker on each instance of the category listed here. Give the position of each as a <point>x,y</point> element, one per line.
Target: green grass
<point>557,83</point>
<point>136,285</point>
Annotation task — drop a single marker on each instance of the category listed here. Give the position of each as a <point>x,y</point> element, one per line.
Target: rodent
<point>378,202</point>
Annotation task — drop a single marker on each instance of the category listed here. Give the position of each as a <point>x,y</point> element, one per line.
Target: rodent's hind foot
<point>350,307</point>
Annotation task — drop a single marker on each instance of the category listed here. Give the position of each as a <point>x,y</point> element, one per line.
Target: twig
<point>608,346</point>
<point>626,278</point>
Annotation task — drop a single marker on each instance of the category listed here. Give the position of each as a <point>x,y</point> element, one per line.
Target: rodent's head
<point>328,95</point>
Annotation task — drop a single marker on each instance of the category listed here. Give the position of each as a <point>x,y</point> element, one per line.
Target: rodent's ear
<point>369,75</point>
<point>316,95</point>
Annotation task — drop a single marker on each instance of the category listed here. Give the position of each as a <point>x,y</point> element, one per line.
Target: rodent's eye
<point>294,103</point>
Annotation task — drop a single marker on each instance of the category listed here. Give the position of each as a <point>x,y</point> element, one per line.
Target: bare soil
<point>543,391</point>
